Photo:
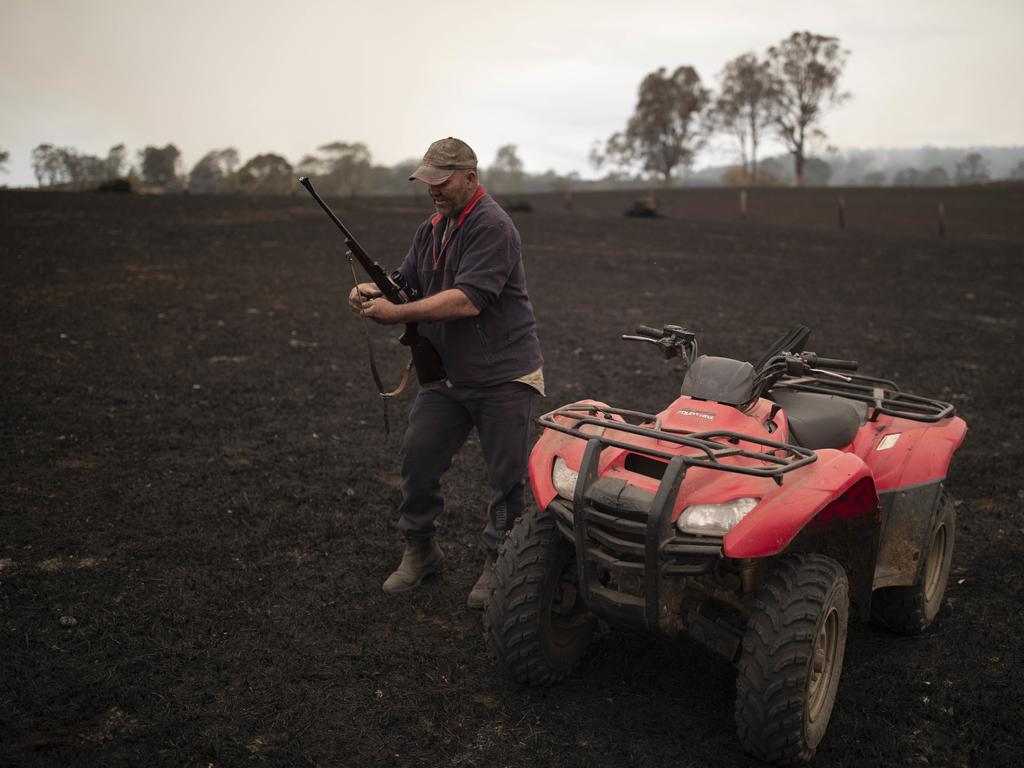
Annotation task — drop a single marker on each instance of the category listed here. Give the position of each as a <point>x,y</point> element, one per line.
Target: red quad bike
<point>747,515</point>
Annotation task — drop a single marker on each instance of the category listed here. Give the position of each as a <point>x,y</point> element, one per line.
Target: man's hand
<point>358,296</point>
<point>451,304</point>
<point>382,311</point>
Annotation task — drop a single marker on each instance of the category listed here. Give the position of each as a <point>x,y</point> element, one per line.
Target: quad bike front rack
<point>711,446</point>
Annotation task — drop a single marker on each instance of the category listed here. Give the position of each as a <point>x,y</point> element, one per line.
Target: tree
<point>401,171</point>
<point>935,176</point>
<point>817,172</point>
<point>874,179</point>
<point>160,166</point>
<point>46,164</point>
<point>346,167</point>
<point>973,169</point>
<point>744,105</point>
<point>907,177</point>
<point>229,160</point>
<point>506,172</point>
<point>39,163</point>
<point>71,166</point>
<point>311,165</point>
<point>214,172</point>
<point>206,175</point>
<point>669,126</point>
<point>116,159</point>
<point>65,166</point>
<point>4,157</point>
<point>267,174</point>
<point>805,71</point>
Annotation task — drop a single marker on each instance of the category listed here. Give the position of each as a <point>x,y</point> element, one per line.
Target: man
<point>466,264</point>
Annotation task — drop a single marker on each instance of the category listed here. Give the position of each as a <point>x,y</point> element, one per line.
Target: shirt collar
<point>480,192</point>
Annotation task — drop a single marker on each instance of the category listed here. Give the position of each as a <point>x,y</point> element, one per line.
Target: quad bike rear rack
<point>881,395</point>
<point>625,535</point>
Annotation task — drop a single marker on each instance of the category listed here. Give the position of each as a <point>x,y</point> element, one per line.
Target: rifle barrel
<point>349,237</point>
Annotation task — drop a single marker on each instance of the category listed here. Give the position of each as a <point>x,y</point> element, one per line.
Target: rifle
<point>395,289</point>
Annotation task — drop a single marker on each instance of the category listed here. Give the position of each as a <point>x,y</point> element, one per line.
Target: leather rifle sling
<point>373,361</point>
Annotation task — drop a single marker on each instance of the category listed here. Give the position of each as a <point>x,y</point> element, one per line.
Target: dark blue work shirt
<point>483,258</point>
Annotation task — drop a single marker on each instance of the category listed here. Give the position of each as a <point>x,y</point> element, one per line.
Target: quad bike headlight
<point>564,479</point>
<point>714,519</point>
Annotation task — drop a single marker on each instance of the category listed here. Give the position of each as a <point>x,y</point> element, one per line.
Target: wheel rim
<point>823,665</point>
<point>567,612</point>
<point>933,566</point>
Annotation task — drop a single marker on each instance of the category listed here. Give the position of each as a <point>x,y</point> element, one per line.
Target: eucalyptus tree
<point>745,106</point>
<point>267,174</point>
<point>670,124</point>
<point>805,69</point>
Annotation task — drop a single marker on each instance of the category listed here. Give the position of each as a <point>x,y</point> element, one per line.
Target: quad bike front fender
<point>839,486</point>
<point>832,511</point>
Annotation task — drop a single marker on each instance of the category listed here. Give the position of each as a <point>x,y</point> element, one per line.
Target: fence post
<point>942,220</point>
<point>743,204</point>
<point>842,212</point>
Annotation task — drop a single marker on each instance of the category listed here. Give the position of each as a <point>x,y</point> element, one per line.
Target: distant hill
<point>849,167</point>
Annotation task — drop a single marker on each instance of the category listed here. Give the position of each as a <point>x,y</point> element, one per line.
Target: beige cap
<point>442,159</point>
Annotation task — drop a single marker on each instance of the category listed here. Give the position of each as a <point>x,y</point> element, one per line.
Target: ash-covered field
<point>198,501</point>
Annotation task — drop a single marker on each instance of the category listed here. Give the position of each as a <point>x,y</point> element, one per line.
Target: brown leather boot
<point>481,592</point>
<point>421,558</point>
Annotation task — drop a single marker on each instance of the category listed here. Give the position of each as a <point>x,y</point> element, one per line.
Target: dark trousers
<point>439,423</point>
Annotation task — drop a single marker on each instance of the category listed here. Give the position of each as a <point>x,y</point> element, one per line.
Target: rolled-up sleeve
<point>488,259</point>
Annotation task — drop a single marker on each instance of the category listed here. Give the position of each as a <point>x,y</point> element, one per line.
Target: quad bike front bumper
<point>630,557</point>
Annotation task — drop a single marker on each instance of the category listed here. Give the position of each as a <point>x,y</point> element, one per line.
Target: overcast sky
<point>549,76</point>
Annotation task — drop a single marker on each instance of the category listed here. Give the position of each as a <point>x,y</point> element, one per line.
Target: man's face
<point>453,195</point>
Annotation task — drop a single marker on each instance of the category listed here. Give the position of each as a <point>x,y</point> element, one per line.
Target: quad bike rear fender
<point>903,453</point>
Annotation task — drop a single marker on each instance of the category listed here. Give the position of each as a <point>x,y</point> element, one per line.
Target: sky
<point>550,76</point>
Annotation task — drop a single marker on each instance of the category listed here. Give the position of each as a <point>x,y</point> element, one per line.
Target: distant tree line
<point>972,169</point>
<point>338,168</point>
<point>341,168</point>
<point>64,166</point>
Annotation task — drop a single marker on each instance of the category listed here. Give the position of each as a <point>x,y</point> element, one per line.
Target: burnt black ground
<point>194,470</point>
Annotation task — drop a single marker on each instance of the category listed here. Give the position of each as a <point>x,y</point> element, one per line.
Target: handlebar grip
<point>651,333</point>
<point>831,362</point>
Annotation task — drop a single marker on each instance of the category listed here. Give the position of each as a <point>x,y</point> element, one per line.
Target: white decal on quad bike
<point>697,414</point>
<point>888,442</point>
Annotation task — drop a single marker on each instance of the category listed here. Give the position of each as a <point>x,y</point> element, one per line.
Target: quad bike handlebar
<point>797,365</point>
<point>674,340</point>
<point>646,330</point>
<point>816,361</point>
<point>786,358</point>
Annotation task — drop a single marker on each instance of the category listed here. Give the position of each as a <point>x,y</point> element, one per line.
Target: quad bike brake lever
<point>830,373</point>
<point>668,345</point>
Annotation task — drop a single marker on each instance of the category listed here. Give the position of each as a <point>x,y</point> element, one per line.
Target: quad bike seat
<point>819,421</point>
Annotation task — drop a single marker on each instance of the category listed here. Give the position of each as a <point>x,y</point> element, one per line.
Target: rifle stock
<point>393,287</point>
